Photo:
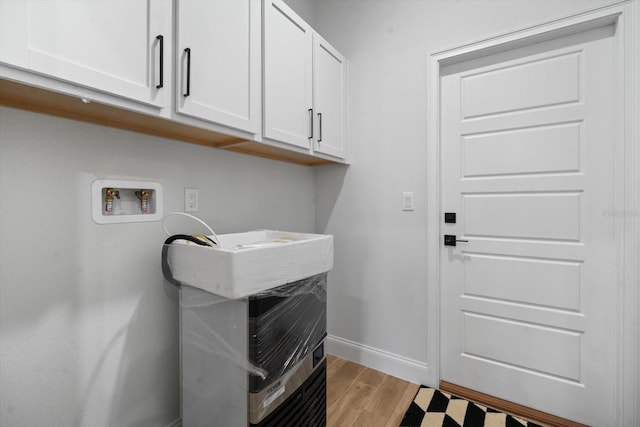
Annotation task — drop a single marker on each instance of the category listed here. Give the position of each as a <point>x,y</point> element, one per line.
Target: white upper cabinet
<point>329,90</point>
<point>219,62</point>
<point>247,75</point>
<point>304,84</point>
<point>287,75</point>
<point>121,47</point>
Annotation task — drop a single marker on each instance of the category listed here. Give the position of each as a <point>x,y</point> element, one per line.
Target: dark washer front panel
<point>307,407</point>
<point>286,324</point>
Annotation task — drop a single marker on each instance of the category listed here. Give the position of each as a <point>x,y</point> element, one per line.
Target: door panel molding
<point>626,18</point>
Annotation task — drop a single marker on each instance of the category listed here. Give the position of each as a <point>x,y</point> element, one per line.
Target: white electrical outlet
<point>191,196</point>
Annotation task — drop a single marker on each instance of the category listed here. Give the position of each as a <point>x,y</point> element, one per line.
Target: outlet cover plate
<point>191,199</point>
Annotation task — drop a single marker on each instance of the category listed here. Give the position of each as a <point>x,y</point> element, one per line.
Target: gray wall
<point>304,8</point>
<point>378,289</point>
<point>88,327</point>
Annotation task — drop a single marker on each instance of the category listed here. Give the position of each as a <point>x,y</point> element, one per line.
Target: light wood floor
<point>361,397</point>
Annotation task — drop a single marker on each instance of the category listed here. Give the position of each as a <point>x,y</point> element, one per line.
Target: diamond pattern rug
<point>433,408</point>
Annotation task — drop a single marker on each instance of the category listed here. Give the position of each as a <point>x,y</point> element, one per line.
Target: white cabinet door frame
<point>111,46</point>
<point>329,99</point>
<point>288,114</point>
<point>626,18</point>
<point>218,61</point>
<point>305,85</point>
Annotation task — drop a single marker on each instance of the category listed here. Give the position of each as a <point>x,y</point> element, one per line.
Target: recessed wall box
<point>117,201</point>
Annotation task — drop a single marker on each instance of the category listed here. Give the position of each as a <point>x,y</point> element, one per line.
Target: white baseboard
<point>380,360</point>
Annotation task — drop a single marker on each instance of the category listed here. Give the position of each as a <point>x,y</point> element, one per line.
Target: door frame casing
<point>626,16</point>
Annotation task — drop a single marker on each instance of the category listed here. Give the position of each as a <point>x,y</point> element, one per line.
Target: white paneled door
<point>528,302</point>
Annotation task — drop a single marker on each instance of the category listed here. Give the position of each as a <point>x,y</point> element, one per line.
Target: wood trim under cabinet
<point>268,151</point>
<point>30,98</point>
<point>507,407</point>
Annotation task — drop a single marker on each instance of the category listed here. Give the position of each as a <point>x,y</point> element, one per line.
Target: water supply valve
<point>143,196</point>
<point>110,193</point>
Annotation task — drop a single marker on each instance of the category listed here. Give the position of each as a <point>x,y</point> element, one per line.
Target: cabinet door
<point>109,45</point>
<point>287,75</point>
<point>219,61</point>
<point>329,90</point>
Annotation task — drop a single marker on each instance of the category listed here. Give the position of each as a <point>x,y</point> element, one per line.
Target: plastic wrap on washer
<point>290,321</point>
<point>244,357</point>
